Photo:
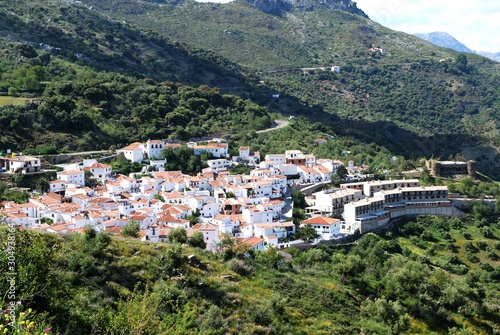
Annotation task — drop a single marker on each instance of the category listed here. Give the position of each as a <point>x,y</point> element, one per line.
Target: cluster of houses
<point>368,206</point>
<point>249,208</point>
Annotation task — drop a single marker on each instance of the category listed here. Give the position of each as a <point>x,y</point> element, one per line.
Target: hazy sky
<point>474,23</point>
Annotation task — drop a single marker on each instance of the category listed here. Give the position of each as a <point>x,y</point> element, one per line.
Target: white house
<point>276,229</point>
<point>288,169</point>
<point>216,149</point>
<point>276,158</point>
<point>219,163</point>
<point>158,165</point>
<point>209,209</point>
<point>262,188</point>
<point>210,234</point>
<point>279,186</point>
<point>370,213</point>
<point>326,227</point>
<point>134,152</point>
<point>254,215</point>
<point>310,159</point>
<point>255,243</point>
<point>275,206</point>
<point>21,164</point>
<point>72,176</point>
<point>154,148</point>
<point>324,172</point>
<point>332,201</point>
<point>308,174</point>
<point>244,153</point>
<point>100,171</point>
<point>331,165</point>
<point>57,185</point>
<point>224,223</point>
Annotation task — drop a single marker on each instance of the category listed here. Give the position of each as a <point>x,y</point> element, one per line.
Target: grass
<point>8,100</point>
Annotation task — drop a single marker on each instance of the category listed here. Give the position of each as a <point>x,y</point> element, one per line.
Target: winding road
<point>278,124</point>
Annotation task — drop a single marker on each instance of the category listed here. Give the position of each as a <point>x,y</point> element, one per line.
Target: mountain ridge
<point>279,6</point>
<point>416,93</point>
<point>445,40</point>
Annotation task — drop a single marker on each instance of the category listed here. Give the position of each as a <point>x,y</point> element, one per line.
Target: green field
<point>6,100</point>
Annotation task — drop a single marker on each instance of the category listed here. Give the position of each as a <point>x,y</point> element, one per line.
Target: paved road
<point>279,124</point>
<point>80,153</point>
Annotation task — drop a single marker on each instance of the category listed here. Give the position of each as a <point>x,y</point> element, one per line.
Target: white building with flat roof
<point>72,176</point>
<point>331,202</point>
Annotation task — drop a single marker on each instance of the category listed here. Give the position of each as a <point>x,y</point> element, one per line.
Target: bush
<point>471,257</point>
<point>427,236</point>
<point>239,266</point>
<point>177,235</point>
<point>487,232</point>
<point>481,245</point>
<point>490,253</point>
<point>486,267</point>
<point>131,229</point>
<point>197,240</point>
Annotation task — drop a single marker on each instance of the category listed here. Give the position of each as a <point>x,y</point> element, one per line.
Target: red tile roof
<point>321,220</point>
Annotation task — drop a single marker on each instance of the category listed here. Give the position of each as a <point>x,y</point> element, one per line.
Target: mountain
<point>393,89</point>
<point>79,34</point>
<point>490,55</point>
<point>444,40</point>
<point>279,6</point>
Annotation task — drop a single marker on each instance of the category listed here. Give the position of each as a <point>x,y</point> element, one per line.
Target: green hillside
<point>415,100</point>
<point>81,35</point>
<point>428,276</point>
<point>68,107</point>
<point>426,100</point>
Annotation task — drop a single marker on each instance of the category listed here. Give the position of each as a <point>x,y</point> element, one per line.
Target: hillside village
<point>254,209</point>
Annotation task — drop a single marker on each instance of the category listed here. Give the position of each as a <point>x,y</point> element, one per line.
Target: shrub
<point>177,235</point>
<point>240,267</point>
<point>486,267</point>
<point>481,245</point>
<point>471,257</point>
<point>467,236</point>
<point>131,229</point>
<point>197,240</point>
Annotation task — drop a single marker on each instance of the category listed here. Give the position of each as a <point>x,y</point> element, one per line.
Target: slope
<point>422,277</point>
<point>415,92</point>
<point>72,108</point>
<point>78,34</point>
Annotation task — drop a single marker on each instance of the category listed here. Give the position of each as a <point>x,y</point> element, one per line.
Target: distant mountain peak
<point>445,40</point>
<point>278,6</point>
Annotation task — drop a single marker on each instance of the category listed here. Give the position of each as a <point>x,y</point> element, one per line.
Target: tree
<point>341,172</point>
<point>177,235</point>
<point>131,229</point>
<point>193,219</point>
<point>298,215</point>
<point>89,180</point>
<point>90,232</point>
<point>461,62</point>
<point>299,199</point>
<point>197,240</point>
<point>308,232</point>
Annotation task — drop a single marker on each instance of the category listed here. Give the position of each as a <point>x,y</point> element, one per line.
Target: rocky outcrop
<point>278,6</point>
